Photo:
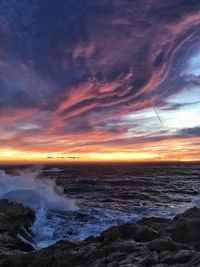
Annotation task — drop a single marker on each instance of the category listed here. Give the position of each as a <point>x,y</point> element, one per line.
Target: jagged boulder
<point>128,231</point>
<point>152,242</point>
<point>14,220</point>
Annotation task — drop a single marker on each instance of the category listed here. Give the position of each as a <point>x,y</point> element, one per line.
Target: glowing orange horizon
<point>165,150</point>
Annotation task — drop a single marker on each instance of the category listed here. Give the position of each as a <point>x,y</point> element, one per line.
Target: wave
<point>58,217</point>
<point>27,189</point>
<point>41,195</point>
<point>54,170</point>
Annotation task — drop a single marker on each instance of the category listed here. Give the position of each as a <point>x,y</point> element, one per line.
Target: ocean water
<point>76,201</point>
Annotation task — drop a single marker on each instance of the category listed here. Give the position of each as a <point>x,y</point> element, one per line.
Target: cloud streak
<point>70,73</point>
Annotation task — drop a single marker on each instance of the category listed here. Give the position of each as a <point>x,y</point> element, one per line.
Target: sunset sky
<point>95,80</point>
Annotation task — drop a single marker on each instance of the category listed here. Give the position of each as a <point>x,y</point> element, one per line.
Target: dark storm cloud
<point>195,131</point>
<point>173,86</point>
<point>177,106</point>
<point>86,62</point>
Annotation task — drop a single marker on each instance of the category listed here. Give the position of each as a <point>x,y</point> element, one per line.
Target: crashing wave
<point>41,195</point>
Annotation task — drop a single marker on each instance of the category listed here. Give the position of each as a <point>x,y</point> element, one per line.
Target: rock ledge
<point>150,242</point>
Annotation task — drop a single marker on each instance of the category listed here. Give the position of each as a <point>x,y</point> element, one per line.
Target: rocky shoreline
<point>150,242</point>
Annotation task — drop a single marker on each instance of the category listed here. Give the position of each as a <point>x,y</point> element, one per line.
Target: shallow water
<point>76,201</point>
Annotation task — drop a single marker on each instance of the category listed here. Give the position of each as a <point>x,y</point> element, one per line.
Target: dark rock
<point>195,261</point>
<point>128,231</point>
<point>146,234</point>
<point>150,260</point>
<point>187,231</point>
<point>14,220</point>
<point>188,214</point>
<point>155,223</point>
<point>180,257</point>
<point>152,242</point>
<point>164,244</point>
<point>125,231</point>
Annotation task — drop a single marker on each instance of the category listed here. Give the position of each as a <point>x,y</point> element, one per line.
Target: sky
<point>99,80</point>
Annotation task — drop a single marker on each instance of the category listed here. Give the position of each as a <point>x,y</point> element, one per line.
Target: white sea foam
<point>42,195</point>
<point>35,193</point>
<point>55,216</point>
<point>196,202</point>
<point>54,170</point>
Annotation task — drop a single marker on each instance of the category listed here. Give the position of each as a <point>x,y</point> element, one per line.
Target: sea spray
<point>27,189</point>
<point>41,195</point>
<point>104,200</point>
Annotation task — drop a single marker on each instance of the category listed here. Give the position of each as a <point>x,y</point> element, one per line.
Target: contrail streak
<point>157,115</point>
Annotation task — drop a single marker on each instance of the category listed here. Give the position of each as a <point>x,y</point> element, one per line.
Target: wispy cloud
<point>71,74</point>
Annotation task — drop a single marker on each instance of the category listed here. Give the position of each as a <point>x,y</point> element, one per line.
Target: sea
<point>75,201</point>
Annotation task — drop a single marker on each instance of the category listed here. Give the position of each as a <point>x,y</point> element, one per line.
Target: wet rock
<point>188,214</point>
<point>128,231</point>
<point>150,260</point>
<point>125,231</point>
<point>164,244</point>
<point>180,257</point>
<point>146,234</point>
<point>14,220</point>
<point>152,242</point>
<point>186,232</point>
<point>155,223</point>
<point>195,261</point>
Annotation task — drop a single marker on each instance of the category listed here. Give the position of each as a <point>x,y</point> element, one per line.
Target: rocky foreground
<point>150,242</point>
